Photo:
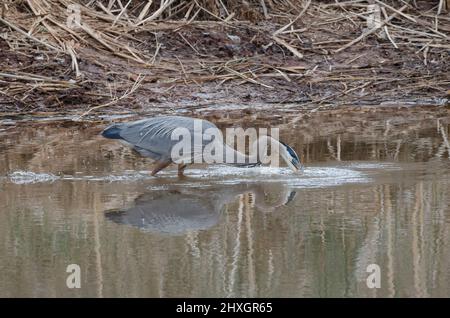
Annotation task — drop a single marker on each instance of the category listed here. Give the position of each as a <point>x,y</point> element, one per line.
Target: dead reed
<point>329,50</point>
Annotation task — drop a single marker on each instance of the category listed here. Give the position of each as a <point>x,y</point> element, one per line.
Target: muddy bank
<point>172,66</point>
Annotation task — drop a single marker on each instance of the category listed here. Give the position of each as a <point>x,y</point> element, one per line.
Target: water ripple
<point>215,175</point>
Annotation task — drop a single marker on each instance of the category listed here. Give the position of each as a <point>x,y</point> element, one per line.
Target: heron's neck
<point>281,200</point>
<point>260,196</point>
<point>254,156</point>
<point>263,142</point>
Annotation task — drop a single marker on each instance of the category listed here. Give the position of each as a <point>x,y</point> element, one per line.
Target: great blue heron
<point>153,137</point>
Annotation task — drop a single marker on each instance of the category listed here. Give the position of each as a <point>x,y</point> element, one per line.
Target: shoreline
<point>207,64</point>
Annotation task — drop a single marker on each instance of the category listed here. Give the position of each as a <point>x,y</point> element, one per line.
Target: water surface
<point>374,191</point>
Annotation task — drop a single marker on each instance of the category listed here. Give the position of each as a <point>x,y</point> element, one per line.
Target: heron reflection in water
<point>178,211</point>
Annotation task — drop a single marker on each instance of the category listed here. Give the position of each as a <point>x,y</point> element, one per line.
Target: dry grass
<point>332,51</point>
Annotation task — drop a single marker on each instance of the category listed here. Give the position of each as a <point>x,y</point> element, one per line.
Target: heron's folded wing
<point>148,153</point>
<point>156,135</point>
<point>150,138</point>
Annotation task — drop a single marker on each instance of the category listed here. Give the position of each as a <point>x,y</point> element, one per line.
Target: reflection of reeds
<point>96,214</point>
<point>358,136</point>
<point>368,136</point>
<point>309,248</point>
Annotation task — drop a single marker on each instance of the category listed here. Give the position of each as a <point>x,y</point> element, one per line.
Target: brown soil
<point>235,67</point>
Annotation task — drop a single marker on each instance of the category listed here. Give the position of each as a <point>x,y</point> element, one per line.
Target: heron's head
<point>291,157</point>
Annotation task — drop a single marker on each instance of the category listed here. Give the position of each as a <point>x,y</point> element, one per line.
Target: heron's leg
<point>159,166</point>
<point>181,168</point>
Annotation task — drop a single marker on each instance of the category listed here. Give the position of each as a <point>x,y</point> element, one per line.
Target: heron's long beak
<point>301,165</point>
<point>294,164</point>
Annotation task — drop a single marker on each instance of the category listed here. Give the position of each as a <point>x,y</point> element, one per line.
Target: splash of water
<point>311,177</point>
<point>27,177</point>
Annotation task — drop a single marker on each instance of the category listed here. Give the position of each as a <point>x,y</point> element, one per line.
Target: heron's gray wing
<point>152,137</point>
<point>148,153</point>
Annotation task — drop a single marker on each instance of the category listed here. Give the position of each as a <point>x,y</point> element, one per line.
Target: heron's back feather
<point>152,137</point>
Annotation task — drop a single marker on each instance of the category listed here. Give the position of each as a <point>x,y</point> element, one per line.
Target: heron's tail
<point>112,132</point>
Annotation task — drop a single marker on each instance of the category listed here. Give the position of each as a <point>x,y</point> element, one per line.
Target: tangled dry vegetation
<point>167,55</point>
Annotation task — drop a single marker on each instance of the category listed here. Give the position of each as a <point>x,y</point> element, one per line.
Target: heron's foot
<point>159,166</point>
<point>181,168</point>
